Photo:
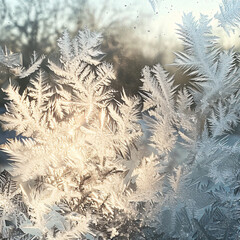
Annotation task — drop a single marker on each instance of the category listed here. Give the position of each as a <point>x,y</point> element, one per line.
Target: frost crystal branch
<point>80,166</point>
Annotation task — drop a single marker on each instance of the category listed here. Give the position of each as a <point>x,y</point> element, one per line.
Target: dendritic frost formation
<point>80,168</point>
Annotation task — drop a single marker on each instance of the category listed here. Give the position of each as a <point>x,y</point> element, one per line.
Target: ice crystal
<point>80,169</point>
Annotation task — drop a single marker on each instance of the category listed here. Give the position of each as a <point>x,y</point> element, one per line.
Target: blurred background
<point>135,32</point>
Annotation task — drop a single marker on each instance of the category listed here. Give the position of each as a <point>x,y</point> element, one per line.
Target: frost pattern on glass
<point>229,17</point>
<point>81,168</point>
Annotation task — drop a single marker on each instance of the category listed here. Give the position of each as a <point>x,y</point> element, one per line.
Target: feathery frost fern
<point>229,16</point>
<point>81,169</point>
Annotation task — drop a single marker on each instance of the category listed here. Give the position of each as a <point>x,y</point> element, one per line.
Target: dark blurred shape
<point>32,25</point>
<point>3,139</point>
